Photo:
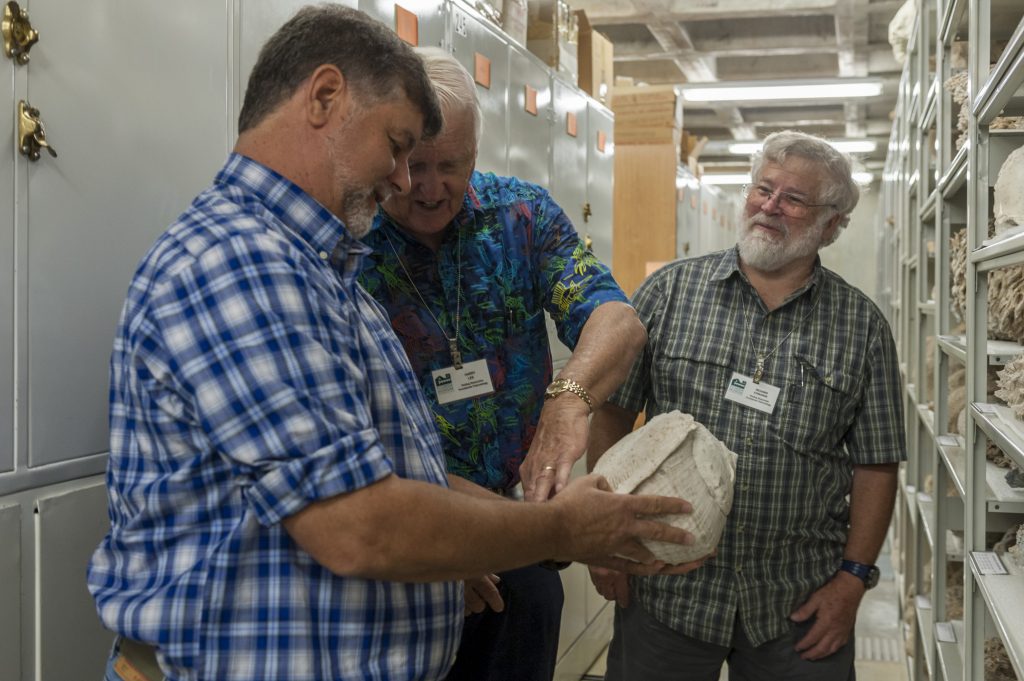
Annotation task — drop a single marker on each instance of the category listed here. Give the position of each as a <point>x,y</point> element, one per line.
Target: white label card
<point>923,602</point>
<point>948,441</point>
<point>742,390</point>
<point>944,632</point>
<point>472,380</point>
<point>988,563</point>
<point>984,408</point>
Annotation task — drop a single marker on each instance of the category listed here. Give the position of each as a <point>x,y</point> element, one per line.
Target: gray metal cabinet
<point>529,117</point>
<point>10,589</point>
<point>597,214</point>
<point>687,215</point>
<point>73,643</point>
<point>8,206</point>
<point>484,51</point>
<point>568,168</point>
<point>428,16</point>
<point>137,137</point>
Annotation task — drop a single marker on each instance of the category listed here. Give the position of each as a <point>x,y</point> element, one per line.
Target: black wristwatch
<point>866,573</point>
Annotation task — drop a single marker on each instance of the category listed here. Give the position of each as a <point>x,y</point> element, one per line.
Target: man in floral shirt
<point>466,265</point>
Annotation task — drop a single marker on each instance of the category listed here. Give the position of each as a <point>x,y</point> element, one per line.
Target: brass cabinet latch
<point>587,212</point>
<point>31,135</point>
<point>19,36</point>
<point>588,242</point>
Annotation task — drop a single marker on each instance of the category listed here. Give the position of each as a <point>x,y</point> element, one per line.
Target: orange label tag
<point>407,25</point>
<point>705,209</point>
<point>693,201</point>
<point>602,140</point>
<point>482,70</point>
<point>126,671</point>
<point>531,100</point>
<point>570,124</point>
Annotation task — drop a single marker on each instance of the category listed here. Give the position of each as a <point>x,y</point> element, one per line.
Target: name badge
<point>761,396</point>
<point>472,380</point>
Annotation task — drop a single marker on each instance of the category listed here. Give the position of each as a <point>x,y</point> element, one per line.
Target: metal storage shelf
<point>950,655</point>
<point>951,18</point>
<point>999,352</point>
<point>1004,80</point>
<point>911,208</point>
<point>926,505</point>
<point>923,609</point>
<point>1004,596</point>
<point>989,419</point>
<point>956,177</point>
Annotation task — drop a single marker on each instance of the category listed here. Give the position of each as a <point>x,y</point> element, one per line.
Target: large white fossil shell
<point>673,455</point>
<point>1008,203</point>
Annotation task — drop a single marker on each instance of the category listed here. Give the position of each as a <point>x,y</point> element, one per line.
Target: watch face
<point>872,578</point>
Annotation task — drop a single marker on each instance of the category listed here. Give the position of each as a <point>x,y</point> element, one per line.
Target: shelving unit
<point>932,190</point>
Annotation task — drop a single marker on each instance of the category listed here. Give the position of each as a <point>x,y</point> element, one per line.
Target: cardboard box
<point>648,115</point>
<point>515,19</point>
<point>552,35</point>
<point>596,61</point>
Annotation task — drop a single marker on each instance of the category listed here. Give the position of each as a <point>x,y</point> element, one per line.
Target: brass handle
<point>31,134</point>
<point>19,36</point>
<point>587,212</point>
<point>588,242</point>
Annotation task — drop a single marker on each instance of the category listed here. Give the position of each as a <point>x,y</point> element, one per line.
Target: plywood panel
<point>645,210</point>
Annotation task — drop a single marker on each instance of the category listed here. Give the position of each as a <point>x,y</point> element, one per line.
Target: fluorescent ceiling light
<point>768,90</point>
<point>863,177</point>
<point>847,146</point>
<point>725,178</point>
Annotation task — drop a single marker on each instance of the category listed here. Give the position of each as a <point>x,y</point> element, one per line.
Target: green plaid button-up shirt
<point>830,352</point>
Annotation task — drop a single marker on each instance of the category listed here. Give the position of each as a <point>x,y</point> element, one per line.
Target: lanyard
<point>453,340</point>
<point>763,356</point>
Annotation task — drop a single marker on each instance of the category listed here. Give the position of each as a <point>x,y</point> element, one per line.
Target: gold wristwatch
<point>564,385</point>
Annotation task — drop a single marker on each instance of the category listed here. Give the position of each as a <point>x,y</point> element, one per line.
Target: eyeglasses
<point>790,204</point>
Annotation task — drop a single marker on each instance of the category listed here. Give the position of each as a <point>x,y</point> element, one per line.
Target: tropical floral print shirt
<point>510,255</point>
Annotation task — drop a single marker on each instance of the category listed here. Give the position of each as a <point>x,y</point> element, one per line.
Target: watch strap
<point>866,573</point>
<point>561,385</point>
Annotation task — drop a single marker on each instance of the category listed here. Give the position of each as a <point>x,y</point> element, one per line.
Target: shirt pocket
<point>820,405</point>
<point>691,375</point>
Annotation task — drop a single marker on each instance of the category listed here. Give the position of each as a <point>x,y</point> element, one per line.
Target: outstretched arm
<point>609,343</point>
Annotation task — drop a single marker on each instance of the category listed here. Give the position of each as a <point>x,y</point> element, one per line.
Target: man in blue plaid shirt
<point>278,498</point>
<point>796,371</point>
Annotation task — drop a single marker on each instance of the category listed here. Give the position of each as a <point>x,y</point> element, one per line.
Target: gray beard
<point>770,255</point>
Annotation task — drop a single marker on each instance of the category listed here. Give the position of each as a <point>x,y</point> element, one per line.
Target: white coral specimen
<point>1008,203</point>
<point>673,455</point>
<point>1011,385</point>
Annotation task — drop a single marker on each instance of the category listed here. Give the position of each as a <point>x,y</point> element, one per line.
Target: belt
<point>135,661</point>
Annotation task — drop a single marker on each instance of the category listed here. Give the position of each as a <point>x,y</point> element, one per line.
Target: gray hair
<point>374,61</point>
<point>454,86</point>
<point>840,191</point>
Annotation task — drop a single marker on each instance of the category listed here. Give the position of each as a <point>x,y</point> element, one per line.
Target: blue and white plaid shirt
<point>250,377</point>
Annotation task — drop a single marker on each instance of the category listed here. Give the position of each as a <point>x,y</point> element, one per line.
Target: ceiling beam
<point>613,12</point>
<point>625,52</point>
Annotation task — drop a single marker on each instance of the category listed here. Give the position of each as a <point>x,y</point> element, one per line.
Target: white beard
<point>763,252</point>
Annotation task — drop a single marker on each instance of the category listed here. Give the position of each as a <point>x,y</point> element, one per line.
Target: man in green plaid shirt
<point>796,371</point>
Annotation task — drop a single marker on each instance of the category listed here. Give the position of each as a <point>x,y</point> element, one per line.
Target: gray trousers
<point>644,649</point>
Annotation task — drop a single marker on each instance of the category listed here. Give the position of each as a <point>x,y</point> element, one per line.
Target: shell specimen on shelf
<point>997,663</point>
<point>956,86</point>
<point>1017,550</point>
<point>958,272</point>
<point>1008,203</point>
<point>673,455</point>
<point>1011,385</point>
